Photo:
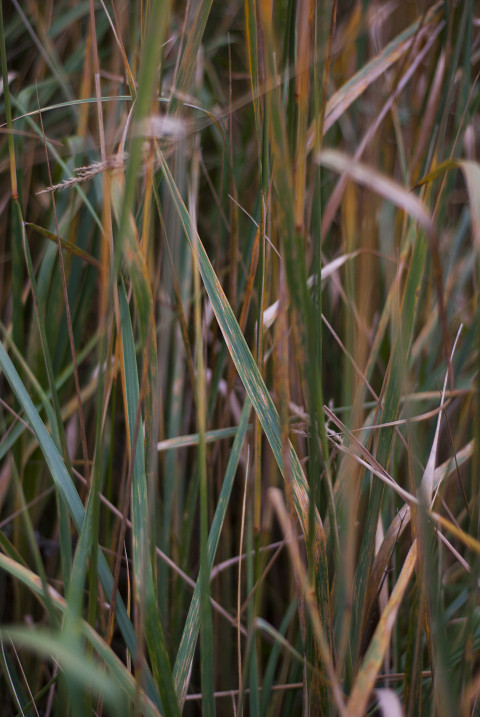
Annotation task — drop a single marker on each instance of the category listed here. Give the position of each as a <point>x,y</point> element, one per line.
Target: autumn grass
<point>239,332</point>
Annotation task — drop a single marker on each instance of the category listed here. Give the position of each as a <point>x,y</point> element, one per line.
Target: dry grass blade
<point>471,172</point>
<point>356,86</point>
<point>285,521</point>
<point>372,662</point>
<point>381,184</point>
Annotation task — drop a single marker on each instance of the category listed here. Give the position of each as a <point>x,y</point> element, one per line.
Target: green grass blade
<point>189,638</point>
<point>245,364</point>
<point>65,487</point>
<point>190,53</point>
<point>125,683</point>
<point>157,22</point>
<point>144,585</point>
<point>206,622</point>
<point>81,669</point>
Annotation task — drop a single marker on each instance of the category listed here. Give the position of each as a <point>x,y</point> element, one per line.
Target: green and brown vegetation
<point>239,355</point>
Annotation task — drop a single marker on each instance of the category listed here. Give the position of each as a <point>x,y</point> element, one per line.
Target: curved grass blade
<point>56,419</point>
<point>356,86</point>
<point>246,366</point>
<point>379,183</point>
<point>83,671</point>
<point>124,680</point>
<point>471,173</point>
<point>69,494</point>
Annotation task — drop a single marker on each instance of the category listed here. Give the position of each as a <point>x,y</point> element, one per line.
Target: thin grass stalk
<point>187,645</point>
<point>144,587</point>
<point>156,26</point>
<point>206,623</point>
<point>18,325</point>
<point>297,284</point>
<point>391,396</point>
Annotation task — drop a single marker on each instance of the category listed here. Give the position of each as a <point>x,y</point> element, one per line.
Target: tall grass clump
<point>239,358</point>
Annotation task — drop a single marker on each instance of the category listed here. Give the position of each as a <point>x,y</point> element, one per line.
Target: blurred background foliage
<point>239,358</point>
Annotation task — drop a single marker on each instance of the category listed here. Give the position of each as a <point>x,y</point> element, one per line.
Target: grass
<point>239,354</point>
